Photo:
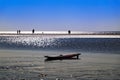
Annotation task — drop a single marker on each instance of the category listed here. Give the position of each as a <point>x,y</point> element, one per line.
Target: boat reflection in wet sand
<point>63,57</point>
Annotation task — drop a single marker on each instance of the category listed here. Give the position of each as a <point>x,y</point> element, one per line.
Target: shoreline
<point>64,35</point>
<point>58,34</point>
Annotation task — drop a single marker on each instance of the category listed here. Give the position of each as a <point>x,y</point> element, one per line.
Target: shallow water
<point>63,42</point>
<point>30,65</point>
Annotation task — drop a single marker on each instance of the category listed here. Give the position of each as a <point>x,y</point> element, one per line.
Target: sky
<point>60,15</point>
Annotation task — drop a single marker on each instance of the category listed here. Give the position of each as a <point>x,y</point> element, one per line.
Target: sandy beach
<point>30,65</point>
<point>22,57</point>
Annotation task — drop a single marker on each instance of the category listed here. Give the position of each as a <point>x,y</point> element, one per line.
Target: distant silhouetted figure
<point>19,31</point>
<point>33,31</point>
<point>69,32</point>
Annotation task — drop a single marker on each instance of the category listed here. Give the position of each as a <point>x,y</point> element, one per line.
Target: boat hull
<point>63,57</point>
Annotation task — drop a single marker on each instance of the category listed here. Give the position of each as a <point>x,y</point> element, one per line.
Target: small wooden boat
<point>61,57</point>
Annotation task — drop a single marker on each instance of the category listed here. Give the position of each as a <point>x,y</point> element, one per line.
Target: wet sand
<point>30,65</point>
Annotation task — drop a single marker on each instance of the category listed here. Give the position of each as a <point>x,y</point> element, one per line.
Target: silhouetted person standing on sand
<point>33,31</point>
<point>19,31</point>
<point>69,32</point>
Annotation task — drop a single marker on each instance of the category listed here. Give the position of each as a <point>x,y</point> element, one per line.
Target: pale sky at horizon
<point>60,15</point>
